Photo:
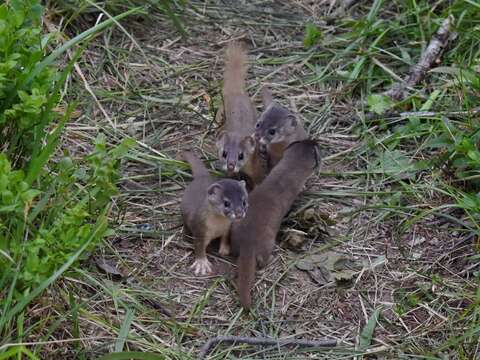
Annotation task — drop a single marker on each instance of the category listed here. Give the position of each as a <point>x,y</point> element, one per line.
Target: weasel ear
<point>249,143</point>
<point>214,191</point>
<point>244,184</point>
<point>292,121</point>
<point>222,135</point>
<point>267,97</point>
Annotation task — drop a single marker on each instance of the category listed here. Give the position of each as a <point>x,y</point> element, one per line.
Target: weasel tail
<point>246,274</point>
<point>235,69</point>
<point>198,168</point>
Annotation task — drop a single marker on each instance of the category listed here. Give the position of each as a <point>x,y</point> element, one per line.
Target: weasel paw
<point>201,266</point>
<point>224,249</point>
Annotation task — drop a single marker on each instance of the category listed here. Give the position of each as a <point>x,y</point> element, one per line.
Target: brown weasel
<point>237,148</point>
<point>276,128</point>
<point>253,238</point>
<point>209,207</point>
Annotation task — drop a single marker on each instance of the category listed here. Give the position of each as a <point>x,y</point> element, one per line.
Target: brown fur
<point>237,148</point>
<point>287,128</point>
<point>206,215</point>
<point>253,238</point>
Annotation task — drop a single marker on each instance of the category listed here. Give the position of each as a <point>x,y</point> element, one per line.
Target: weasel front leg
<point>224,245</point>
<point>201,265</point>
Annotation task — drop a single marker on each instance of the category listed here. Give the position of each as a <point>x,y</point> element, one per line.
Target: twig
<point>424,114</point>
<point>429,57</point>
<point>262,341</point>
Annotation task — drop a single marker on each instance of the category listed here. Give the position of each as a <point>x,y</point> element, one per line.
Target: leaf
<point>336,266</point>
<point>367,332</point>
<point>305,265</point>
<point>379,104</point>
<point>396,164</point>
<point>320,275</point>
<point>344,275</point>
<point>312,35</point>
<point>108,268</point>
<point>100,227</point>
<point>36,164</point>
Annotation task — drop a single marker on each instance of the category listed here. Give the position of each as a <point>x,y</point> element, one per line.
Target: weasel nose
<point>239,213</point>
<point>230,166</point>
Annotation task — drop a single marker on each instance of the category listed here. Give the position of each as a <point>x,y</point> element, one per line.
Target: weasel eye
<point>226,203</point>
<point>224,154</point>
<point>257,125</point>
<point>240,156</point>
<point>244,203</point>
<point>271,131</point>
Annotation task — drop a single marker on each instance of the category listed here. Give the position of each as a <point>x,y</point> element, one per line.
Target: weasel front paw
<point>201,266</point>
<point>224,249</point>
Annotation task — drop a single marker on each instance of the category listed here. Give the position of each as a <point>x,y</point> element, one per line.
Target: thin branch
<point>429,57</point>
<point>262,341</point>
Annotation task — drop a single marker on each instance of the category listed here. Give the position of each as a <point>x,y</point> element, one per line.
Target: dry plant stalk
<point>428,58</point>
<point>262,341</point>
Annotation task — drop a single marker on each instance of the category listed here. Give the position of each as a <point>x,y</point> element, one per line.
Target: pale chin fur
<point>234,217</point>
<point>263,141</point>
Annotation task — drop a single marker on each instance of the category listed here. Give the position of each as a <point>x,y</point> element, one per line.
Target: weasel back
<point>253,238</point>
<point>235,70</point>
<point>198,168</point>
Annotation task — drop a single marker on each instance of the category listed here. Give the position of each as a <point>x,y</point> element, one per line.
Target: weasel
<point>208,208</point>
<point>276,128</point>
<point>253,238</point>
<point>237,148</point>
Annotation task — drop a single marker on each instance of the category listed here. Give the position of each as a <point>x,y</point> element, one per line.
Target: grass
<point>396,193</point>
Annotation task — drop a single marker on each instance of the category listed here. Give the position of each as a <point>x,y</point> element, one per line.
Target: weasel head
<point>304,151</point>
<point>234,151</point>
<point>229,198</point>
<point>275,124</point>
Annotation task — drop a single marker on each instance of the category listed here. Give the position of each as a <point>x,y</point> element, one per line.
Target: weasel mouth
<point>236,217</point>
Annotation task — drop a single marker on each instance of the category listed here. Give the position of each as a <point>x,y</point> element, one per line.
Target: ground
<point>163,90</point>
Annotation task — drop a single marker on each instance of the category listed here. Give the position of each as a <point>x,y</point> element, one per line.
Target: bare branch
<point>427,60</point>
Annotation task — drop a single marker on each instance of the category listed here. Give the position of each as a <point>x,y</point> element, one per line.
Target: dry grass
<point>164,95</point>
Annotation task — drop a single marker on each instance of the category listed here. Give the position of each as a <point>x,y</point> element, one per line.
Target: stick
<point>262,341</point>
<point>473,112</point>
<point>427,59</point>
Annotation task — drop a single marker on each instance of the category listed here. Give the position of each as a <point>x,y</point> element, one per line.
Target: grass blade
<point>367,332</point>
<point>137,355</point>
<point>72,42</point>
<point>100,227</point>
<point>124,330</point>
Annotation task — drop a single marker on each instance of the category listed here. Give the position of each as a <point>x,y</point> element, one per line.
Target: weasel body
<point>208,208</point>
<point>253,238</point>
<point>237,148</point>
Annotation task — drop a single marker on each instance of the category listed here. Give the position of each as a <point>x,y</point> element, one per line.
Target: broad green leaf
<point>379,104</point>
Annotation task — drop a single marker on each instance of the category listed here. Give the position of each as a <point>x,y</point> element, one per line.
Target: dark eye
<point>271,131</point>
<point>244,203</point>
<point>257,125</point>
<point>240,156</point>
<point>226,203</point>
<point>224,154</point>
